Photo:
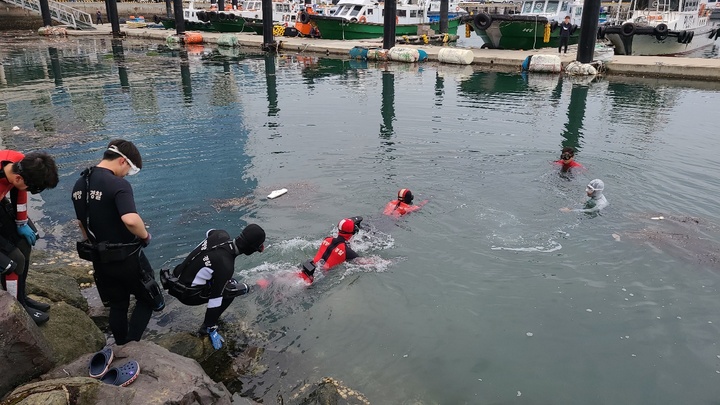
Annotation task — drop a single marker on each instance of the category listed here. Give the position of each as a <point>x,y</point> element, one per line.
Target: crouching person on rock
<point>205,276</point>
<point>19,175</point>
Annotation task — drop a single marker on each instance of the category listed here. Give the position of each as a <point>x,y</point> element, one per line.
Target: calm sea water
<point>489,294</point>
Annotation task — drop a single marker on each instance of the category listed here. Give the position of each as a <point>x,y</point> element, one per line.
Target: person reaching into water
<point>205,276</point>
<point>567,161</point>
<point>403,204</point>
<point>597,200</point>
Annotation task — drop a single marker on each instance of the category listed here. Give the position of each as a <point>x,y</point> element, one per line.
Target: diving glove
<point>26,232</point>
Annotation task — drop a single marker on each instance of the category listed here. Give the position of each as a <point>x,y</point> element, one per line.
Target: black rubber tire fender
<point>661,29</point>
<point>691,35</point>
<point>601,32</point>
<point>482,21</point>
<point>627,29</point>
<point>304,17</point>
<point>682,37</point>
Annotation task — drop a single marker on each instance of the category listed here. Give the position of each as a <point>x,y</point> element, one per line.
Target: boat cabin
<point>408,12</point>
<point>553,10</point>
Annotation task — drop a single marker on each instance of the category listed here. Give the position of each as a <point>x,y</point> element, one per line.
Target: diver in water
<point>333,251</point>
<point>597,200</point>
<point>205,276</point>
<point>567,161</point>
<point>403,204</point>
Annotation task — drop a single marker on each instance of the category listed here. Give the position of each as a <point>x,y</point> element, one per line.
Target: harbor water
<point>487,295</point>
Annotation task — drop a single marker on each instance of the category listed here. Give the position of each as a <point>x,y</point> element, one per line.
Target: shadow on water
<point>572,132</point>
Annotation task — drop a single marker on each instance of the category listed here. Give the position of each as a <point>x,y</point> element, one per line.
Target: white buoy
<point>545,63</point>
<point>277,193</point>
<point>400,54</point>
<point>456,56</point>
<point>16,128</point>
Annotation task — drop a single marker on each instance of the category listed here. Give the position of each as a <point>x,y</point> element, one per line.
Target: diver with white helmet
<point>597,200</point>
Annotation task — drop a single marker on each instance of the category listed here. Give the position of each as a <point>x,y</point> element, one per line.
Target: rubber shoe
<point>100,362</point>
<point>40,306</point>
<point>122,376</point>
<point>39,317</point>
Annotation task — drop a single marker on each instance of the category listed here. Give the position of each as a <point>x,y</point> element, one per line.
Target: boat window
<point>413,13</point>
<point>527,7</point>
<point>402,13</point>
<point>369,11</point>
<point>538,8</point>
<point>563,6</point>
<point>421,13</point>
<point>552,7</point>
<point>355,11</point>
<point>578,11</point>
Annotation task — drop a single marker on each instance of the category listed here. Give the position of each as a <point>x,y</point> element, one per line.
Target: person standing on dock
<point>565,29</point>
<point>98,17</point>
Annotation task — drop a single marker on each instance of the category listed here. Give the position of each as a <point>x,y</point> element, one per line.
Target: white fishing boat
<point>663,28</point>
<point>454,10</point>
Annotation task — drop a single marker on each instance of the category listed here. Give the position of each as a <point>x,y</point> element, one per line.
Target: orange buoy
<point>193,38</point>
<point>132,17</point>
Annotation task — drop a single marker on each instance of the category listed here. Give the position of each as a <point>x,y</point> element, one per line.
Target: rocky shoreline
<point>49,363</point>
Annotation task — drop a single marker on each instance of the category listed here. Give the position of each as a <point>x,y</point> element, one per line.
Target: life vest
<point>397,208</point>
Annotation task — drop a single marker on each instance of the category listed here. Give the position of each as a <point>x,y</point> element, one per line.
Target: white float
<point>400,54</point>
<point>456,56</point>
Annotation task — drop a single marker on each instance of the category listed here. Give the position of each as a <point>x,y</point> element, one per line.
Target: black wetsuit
<point>565,29</point>
<point>210,264</point>
<point>111,197</point>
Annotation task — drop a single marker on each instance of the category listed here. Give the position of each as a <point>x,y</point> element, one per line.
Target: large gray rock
<point>71,333</point>
<point>56,287</point>
<point>70,390</point>
<point>24,351</point>
<point>225,365</point>
<point>165,378</point>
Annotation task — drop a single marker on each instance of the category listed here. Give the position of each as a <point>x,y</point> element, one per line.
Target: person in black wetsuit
<point>105,208</point>
<point>565,31</point>
<point>205,276</point>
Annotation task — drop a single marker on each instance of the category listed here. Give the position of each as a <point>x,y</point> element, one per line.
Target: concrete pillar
<point>588,31</point>
<point>268,40</point>
<point>389,24</point>
<point>45,12</point>
<point>444,5</point>
<point>113,17</point>
<point>179,18</point>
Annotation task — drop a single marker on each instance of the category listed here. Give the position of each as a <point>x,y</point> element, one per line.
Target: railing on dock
<point>59,12</point>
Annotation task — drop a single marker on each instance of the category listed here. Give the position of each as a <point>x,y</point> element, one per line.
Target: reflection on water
<point>488,291</point>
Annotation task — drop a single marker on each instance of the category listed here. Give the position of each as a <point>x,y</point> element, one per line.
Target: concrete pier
<point>648,66</point>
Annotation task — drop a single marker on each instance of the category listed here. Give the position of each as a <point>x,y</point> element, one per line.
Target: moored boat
<point>364,19</point>
<point>536,26</point>
<point>663,28</point>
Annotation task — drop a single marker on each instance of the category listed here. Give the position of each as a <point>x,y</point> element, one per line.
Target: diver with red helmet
<point>333,251</point>
<point>403,204</point>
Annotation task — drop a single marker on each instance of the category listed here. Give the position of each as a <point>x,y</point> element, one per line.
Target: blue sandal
<point>122,376</point>
<point>100,362</point>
